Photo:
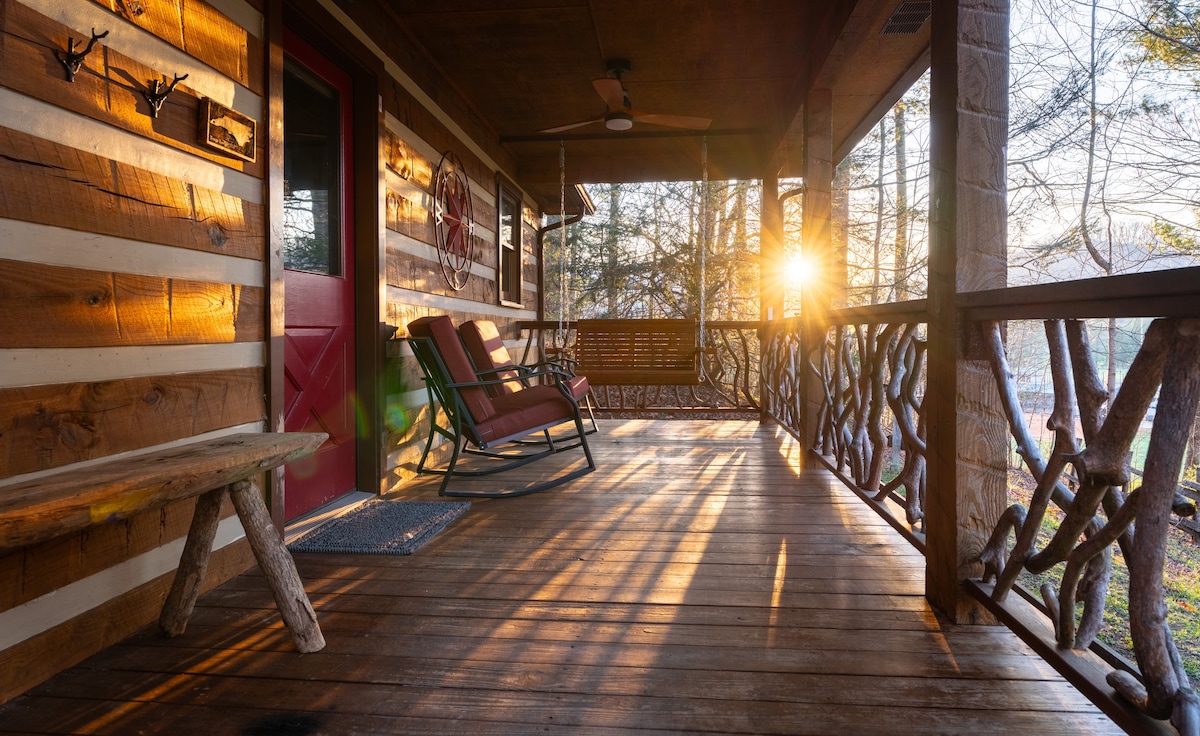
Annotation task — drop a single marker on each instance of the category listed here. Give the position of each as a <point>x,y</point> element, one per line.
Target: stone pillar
<point>967,436</point>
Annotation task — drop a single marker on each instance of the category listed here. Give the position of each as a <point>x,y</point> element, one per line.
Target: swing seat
<point>493,361</point>
<point>476,418</point>
<point>638,352</point>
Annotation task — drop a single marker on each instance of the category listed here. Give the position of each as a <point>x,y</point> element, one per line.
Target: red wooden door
<point>318,364</point>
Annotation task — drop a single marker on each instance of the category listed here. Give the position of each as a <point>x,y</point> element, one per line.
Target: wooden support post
<point>771,283</point>
<point>193,564</point>
<point>967,438</point>
<point>825,290</point>
<point>278,567</point>
<point>770,287</point>
<point>274,314</point>
<point>826,287</point>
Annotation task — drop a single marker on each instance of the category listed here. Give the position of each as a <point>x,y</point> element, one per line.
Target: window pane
<point>510,248</point>
<point>311,166</point>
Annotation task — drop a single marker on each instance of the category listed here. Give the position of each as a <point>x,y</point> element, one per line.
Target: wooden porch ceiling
<point>696,582</point>
<point>527,65</point>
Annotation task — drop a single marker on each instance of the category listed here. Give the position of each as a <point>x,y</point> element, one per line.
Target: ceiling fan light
<point>618,121</point>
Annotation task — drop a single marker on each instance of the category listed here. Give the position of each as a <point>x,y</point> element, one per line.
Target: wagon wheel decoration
<point>453,221</point>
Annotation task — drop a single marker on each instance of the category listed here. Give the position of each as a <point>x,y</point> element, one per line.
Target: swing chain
<point>563,314</point>
<point>704,208</point>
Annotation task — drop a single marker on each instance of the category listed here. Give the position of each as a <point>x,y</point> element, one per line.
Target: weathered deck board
<point>696,582</point>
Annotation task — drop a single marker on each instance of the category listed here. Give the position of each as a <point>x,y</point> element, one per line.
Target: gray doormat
<point>382,528</point>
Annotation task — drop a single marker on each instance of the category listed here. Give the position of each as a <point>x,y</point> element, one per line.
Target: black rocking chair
<point>491,358</point>
<point>486,422</point>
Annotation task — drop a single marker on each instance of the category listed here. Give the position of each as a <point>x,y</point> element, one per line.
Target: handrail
<point>915,310</point>
<point>1174,293</point>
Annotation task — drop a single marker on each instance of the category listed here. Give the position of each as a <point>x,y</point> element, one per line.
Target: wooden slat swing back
<point>638,352</point>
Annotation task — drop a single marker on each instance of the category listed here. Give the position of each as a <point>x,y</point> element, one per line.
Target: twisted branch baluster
<point>1169,357</point>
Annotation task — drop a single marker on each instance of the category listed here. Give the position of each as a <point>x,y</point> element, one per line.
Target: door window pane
<point>311,168</point>
<point>509,237</point>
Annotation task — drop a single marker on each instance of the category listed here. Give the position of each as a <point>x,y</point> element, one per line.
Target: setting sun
<point>797,271</point>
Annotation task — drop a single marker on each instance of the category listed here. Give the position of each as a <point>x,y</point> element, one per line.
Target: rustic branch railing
<point>867,369</point>
<point>730,379</point>
<point>783,373</point>
<point>870,373</point>
<point>1100,512</point>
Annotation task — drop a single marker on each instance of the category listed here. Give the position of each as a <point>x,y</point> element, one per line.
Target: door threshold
<point>339,506</point>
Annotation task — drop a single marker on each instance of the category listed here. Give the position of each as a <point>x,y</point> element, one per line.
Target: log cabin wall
<point>131,294</point>
<point>135,282</point>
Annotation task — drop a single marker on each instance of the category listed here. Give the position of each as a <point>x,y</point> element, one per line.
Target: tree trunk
<point>612,297</point>
<point>879,203</point>
<point>900,251</point>
<point>1093,126</point>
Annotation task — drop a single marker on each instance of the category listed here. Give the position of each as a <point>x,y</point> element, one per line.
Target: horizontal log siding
<point>126,243</point>
<point>56,425</point>
<point>70,188</point>
<point>96,308</point>
<point>109,85</point>
<point>112,620</point>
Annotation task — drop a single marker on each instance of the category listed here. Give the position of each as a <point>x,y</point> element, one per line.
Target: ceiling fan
<point>620,115</point>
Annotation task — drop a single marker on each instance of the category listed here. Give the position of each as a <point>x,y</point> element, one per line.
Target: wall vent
<point>907,19</point>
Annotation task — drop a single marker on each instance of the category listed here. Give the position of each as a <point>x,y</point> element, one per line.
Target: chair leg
<point>450,468</point>
<point>587,450</point>
<point>432,432</point>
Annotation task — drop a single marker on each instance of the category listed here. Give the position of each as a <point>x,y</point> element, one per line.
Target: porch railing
<point>730,380</point>
<point>867,368</point>
<point>869,375</point>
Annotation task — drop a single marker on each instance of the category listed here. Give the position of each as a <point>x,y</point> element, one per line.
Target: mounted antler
<point>156,94</point>
<point>71,59</point>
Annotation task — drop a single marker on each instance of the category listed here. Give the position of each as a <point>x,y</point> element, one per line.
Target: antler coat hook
<point>156,94</point>
<point>71,59</point>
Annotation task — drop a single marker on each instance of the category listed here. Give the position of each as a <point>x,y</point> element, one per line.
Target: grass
<point>1181,580</point>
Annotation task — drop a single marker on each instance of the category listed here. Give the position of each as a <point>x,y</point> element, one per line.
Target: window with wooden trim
<point>508,242</point>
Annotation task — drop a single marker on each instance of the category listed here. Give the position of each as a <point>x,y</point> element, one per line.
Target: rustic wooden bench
<point>75,499</point>
<point>638,352</point>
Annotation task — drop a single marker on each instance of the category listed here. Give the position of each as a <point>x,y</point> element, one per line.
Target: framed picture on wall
<point>227,130</point>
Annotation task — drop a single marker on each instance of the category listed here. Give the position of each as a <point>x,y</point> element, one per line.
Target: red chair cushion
<point>487,350</point>
<point>441,331</point>
<point>528,409</point>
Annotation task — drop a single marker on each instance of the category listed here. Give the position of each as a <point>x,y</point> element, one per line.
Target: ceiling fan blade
<point>611,91</point>
<point>569,126</point>
<point>671,121</point>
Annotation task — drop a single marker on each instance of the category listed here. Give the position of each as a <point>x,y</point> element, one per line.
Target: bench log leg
<point>193,564</point>
<point>278,567</point>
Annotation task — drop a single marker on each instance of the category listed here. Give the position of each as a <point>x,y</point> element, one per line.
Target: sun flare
<point>798,271</point>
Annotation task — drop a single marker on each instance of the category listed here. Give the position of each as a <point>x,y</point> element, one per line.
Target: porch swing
<point>643,352</point>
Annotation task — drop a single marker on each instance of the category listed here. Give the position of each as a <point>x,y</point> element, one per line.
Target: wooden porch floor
<point>696,583</point>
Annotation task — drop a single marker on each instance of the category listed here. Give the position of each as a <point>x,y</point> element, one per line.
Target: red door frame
<point>321,30</point>
<point>316,301</point>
